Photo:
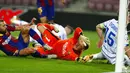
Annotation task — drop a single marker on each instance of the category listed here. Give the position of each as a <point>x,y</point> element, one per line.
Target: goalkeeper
<point>69,49</point>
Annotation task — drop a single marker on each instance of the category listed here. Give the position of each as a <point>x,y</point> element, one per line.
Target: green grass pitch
<point>40,65</point>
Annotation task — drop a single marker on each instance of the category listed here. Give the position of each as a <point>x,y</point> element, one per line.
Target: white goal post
<point>123,4</point>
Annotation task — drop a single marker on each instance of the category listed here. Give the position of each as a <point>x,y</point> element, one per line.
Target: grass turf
<point>40,65</point>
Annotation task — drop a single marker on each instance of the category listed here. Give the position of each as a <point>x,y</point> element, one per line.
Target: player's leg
<point>91,57</point>
<point>41,28</point>
<point>36,37</point>
<point>98,56</point>
<point>50,14</point>
<point>42,53</point>
<point>43,19</point>
<point>26,32</point>
<point>24,52</point>
<point>14,48</point>
<point>43,14</point>
<point>24,36</point>
<point>47,36</point>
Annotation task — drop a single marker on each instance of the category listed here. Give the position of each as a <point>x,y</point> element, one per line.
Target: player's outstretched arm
<point>99,29</point>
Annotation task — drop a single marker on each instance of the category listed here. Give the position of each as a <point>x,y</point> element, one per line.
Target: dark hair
<point>86,47</point>
<point>71,28</point>
<point>1,20</point>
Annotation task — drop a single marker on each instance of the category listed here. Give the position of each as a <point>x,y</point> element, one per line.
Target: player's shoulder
<point>114,20</point>
<point>111,20</point>
<point>106,23</point>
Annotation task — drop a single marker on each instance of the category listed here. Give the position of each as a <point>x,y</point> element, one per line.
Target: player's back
<point>110,40</point>
<point>64,49</point>
<point>110,36</point>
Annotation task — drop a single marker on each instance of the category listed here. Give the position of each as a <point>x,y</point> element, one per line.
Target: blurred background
<point>83,13</point>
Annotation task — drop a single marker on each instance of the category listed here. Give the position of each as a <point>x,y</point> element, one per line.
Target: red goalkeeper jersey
<point>62,48</point>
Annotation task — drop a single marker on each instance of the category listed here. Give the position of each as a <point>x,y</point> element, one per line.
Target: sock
<point>98,56</point>
<point>36,54</point>
<point>35,36</point>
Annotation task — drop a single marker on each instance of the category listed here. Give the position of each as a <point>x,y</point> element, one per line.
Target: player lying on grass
<point>11,46</point>
<point>69,49</point>
<point>62,33</point>
<point>53,40</point>
<point>108,42</point>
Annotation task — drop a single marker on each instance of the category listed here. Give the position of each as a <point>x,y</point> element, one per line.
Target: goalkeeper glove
<point>84,59</point>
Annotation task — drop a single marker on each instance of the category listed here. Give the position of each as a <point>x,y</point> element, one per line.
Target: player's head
<point>2,27</point>
<point>82,44</point>
<point>69,29</point>
<point>2,22</point>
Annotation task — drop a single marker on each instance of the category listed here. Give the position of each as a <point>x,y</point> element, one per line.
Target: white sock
<point>98,56</point>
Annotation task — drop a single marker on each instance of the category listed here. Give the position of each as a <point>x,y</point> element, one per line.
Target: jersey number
<point>110,38</point>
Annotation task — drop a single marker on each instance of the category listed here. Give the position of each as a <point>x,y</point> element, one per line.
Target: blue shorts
<point>13,45</point>
<point>47,9</point>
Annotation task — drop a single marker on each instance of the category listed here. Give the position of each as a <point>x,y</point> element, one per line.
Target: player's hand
<point>99,44</point>
<point>40,10</point>
<point>84,59</point>
<point>33,21</point>
<point>88,58</point>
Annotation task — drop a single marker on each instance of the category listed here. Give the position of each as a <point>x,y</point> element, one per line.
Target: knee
<point>41,28</point>
<point>44,19</point>
<point>25,30</point>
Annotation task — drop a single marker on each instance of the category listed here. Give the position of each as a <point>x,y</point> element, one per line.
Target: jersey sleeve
<point>77,32</point>
<point>10,27</point>
<point>106,23</point>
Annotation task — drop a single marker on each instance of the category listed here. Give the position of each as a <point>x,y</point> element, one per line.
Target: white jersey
<point>110,40</point>
<point>62,33</point>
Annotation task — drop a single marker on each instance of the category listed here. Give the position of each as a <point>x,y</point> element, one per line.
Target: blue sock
<point>35,36</point>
